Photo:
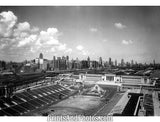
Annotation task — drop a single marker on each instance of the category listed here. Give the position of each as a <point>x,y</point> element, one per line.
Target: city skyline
<point>118,32</point>
<point>100,61</point>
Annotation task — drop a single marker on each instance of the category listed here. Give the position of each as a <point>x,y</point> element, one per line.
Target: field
<point>75,105</point>
<point>80,104</point>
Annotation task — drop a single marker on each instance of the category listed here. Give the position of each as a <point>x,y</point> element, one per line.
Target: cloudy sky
<point>116,32</point>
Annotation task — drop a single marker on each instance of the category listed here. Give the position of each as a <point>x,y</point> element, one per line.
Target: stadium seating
<point>27,101</point>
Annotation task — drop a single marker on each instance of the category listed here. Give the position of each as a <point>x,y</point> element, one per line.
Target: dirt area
<point>104,111</point>
<point>74,105</point>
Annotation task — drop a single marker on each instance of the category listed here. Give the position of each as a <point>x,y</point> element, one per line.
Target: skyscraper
<point>154,63</point>
<point>122,62</point>
<point>88,59</point>
<point>67,58</point>
<point>54,58</point>
<point>100,61</point>
<point>63,58</point>
<point>58,63</point>
<point>67,61</point>
<point>115,63</point>
<point>132,63</point>
<point>54,62</point>
<point>41,56</point>
<point>41,61</point>
<point>110,61</point>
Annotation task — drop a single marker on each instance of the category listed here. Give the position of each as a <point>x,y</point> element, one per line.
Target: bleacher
<point>28,101</point>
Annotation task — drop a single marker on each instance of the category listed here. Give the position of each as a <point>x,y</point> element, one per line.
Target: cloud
<point>53,49</point>
<point>80,47</point>
<point>69,50</point>
<point>61,47</point>
<point>34,29</point>
<point>25,26</point>
<point>27,40</point>
<point>82,50</point>
<point>2,46</point>
<point>125,42</point>
<point>7,22</point>
<point>93,29</point>
<point>119,25</point>
<point>49,37</point>
<point>24,39</point>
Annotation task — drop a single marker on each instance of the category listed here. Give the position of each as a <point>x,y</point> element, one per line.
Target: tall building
<point>154,63</point>
<point>76,64</point>
<point>132,63</point>
<point>54,62</point>
<point>67,58</point>
<point>36,61</point>
<point>110,61</point>
<point>58,62</point>
<point>67,62</point>
<point>122,63</point>
<point>41,56</point>
<point>136,64</point>
<point>63,58</point>
<point>94,64</point>
<point>127,64</point>
<point>84,64</point>
<point>88,59</point>
<point>41,61</point>
<point>100,61</point>
<point>54,58</point>
<point>115,63</point>
<point>63,64</point>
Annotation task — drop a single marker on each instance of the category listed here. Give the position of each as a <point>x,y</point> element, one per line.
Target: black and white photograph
<point>80,61</point>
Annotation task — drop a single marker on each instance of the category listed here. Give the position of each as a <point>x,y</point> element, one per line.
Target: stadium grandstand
<point>23,93</point>
<point>114,95</point>
<point>27,101</point>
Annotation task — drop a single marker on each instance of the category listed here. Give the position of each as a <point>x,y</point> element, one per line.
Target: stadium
<point>42,94</point>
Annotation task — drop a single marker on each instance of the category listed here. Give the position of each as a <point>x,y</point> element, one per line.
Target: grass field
<point>75,105</point>
<point>82,104</point>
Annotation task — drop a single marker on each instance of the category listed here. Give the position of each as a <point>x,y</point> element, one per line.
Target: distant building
<point>94,64</point>
<point>154,63</point>
<point>88,59</point>
<point>110,61</point>
<point>41,61</point>
<point>67,62</point>
<point>100,61</point>
<point>45,65</point>
<point>84,64</point>
<point>36,60</point>
<point>127,64</point>
<point>76,64</point>
<point>54,62</point>
<point>41,56</point>
<point>132,63</point>
<point>115,63</point>
<point>122,63</point>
